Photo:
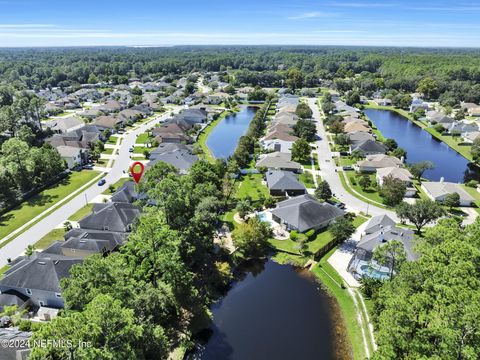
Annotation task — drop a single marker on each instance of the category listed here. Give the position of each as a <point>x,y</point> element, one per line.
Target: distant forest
<point>456,72</point>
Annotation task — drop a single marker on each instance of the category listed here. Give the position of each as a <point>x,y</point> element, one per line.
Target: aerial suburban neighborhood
<point>299,200</point>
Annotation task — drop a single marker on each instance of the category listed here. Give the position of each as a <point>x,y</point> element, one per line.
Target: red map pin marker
<point>137,169</point>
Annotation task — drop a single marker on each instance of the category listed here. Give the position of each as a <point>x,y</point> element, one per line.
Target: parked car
<point>88,166</point>
<point>131,149</point>
<point>347,168</point>
<point>101,182</point>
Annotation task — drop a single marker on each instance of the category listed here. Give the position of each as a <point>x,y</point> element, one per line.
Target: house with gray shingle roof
<point>304,212</point>
<point>438,191</point>
<point>38,277</point>
<point>278,161</point>
<point>64,124</point>
<point>282,183</point>
<point>178,155</point>
<point>369,147</point>
<point>117,217</point>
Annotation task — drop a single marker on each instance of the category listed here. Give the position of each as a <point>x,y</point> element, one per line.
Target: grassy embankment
<point>202,138</point>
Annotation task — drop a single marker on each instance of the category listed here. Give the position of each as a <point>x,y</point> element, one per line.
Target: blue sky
<point>148,22</point>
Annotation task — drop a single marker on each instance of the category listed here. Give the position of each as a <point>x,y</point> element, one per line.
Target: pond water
<point>273,312</point>
<point>420,146</point>
<point>223,139</point>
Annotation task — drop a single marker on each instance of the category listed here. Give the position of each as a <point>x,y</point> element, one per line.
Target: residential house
<point>130,115</point>
<point>65,124</point>
<point>281,183</point>
<point>470,137</point>
<point>362,263</point>
<point>125,194</point>
<point>73,156</point>
<point>374,162</point>
<point>171,133</point>
<point>383,102</point>
<point>471,108</point>
<point>360,136</point>
<point>418,104</point>
<point>193,116</point>
<point>109,122</point>
<point>116,217</point>
<point>377,223</point>
<point>278,161</point>
<point>178,155</point>
<point>397,173</point>
<point>304,212</point>
<point>38,277</point>
<point>216,99</point>
<point>437,117</point>
<point>353,127</point>
<point>369,147</point>
<point>438,191</point>
<point>112,106</point>
<point>277,145</point>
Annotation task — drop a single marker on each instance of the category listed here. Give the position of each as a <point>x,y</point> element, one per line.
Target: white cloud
<point>312,15</point>
<point>361,5</point>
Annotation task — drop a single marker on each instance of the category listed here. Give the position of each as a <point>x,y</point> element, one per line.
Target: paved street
<point>328,167</point>
<point>61,214</point>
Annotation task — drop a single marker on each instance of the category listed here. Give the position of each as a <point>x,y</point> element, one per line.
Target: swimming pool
<point>263,216</point>
<point>367,270</point>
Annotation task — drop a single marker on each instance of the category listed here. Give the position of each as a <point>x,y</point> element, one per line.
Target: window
<point>29,292</point>
<point>42,303</point>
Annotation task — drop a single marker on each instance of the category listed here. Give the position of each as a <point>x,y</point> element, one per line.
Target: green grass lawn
<point>306,178</point>
<point>41,202</point>
<point>475,194</point>
<point>80,214</point>
<point>107,151</point>
<point>370,193</point>
<point>347,161</point>
<point>117,185</point>
<point>112,140</point>
<point>142,139</point>
<point>251,186</point>
<point>47,240</point>
<point>139,149</point>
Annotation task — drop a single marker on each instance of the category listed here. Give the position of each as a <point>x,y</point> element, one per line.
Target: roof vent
<point>42,263</point>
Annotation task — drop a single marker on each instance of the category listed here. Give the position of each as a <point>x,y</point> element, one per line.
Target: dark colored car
<point>101,182</point>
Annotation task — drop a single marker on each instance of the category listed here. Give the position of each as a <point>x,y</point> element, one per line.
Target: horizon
<point>431,24</point>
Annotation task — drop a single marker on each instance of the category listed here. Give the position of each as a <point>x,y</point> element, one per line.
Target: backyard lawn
<point>41,202</point>
<point>251,186</point>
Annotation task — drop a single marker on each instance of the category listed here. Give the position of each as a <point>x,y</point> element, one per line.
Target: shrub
<point>472,183</point>
<point>310,233</point>
<point>293,235</point>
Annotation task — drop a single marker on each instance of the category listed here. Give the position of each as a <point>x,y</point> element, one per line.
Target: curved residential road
<point>122,161</point>
<point>328,167</point>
